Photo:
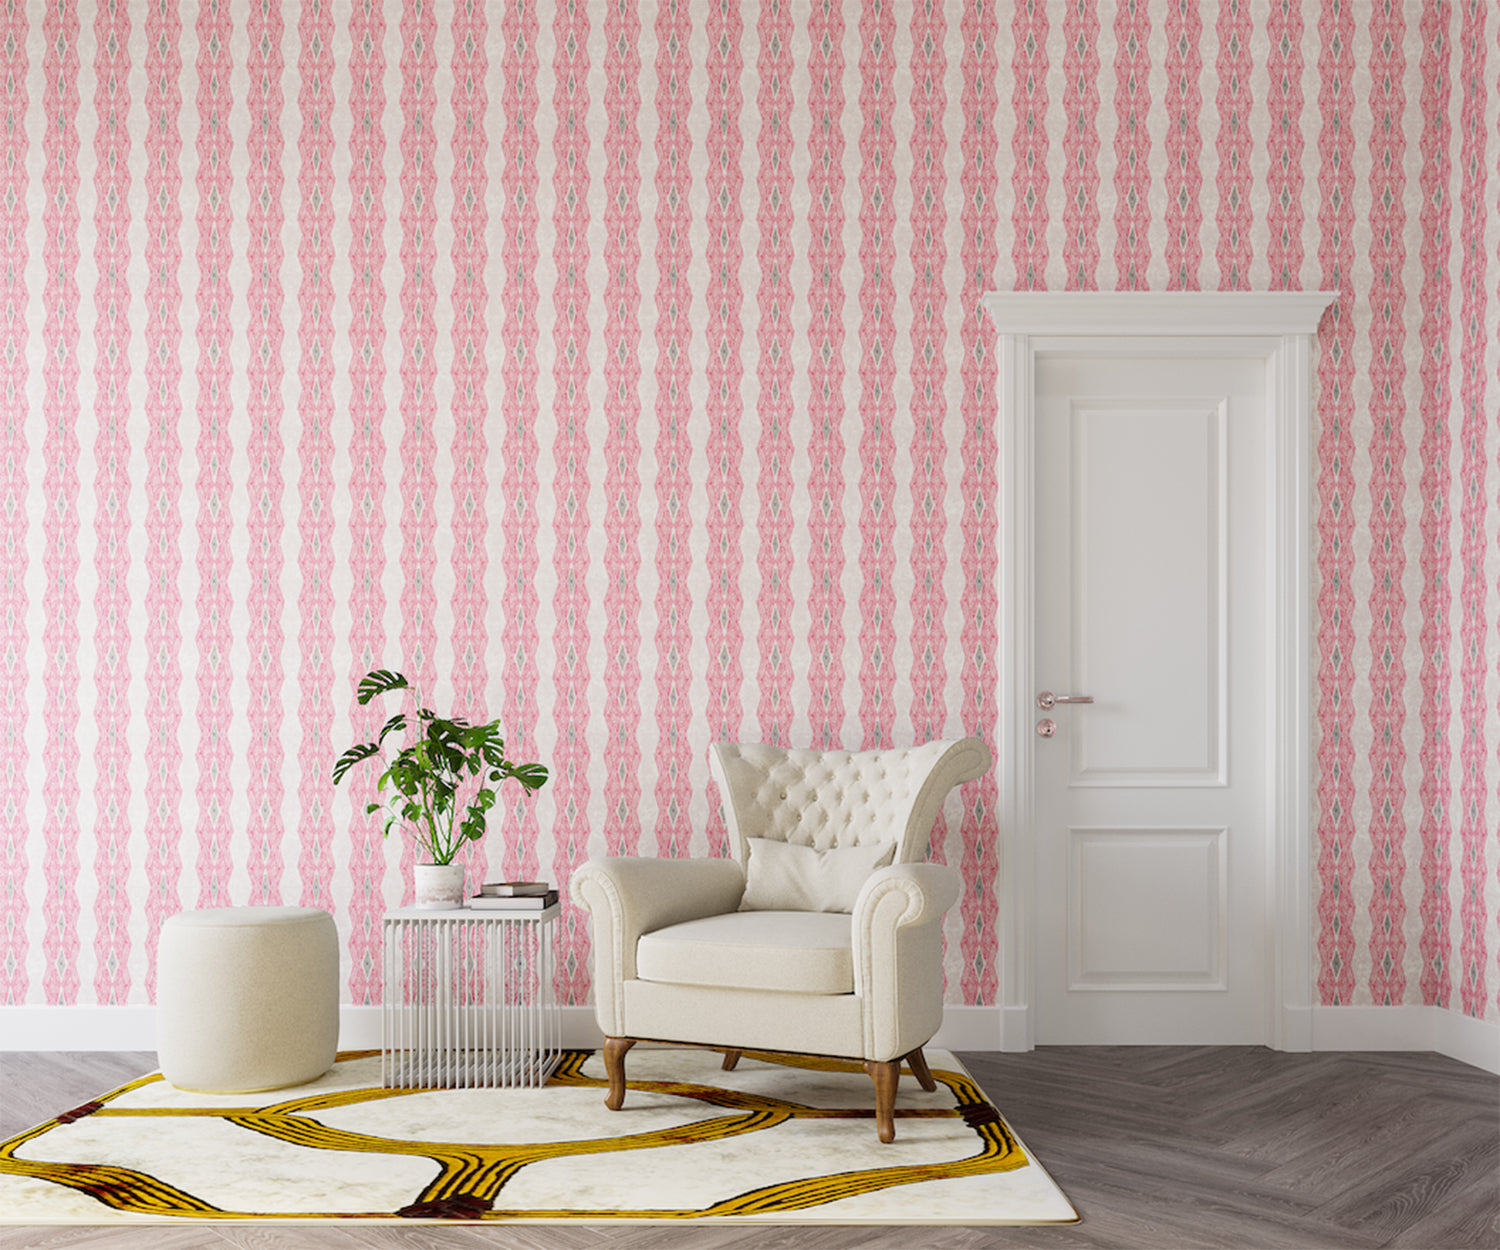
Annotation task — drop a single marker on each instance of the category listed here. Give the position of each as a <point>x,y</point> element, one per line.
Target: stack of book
<point>514,896</point>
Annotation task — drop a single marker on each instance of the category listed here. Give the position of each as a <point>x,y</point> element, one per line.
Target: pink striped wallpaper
<point>615,368</point>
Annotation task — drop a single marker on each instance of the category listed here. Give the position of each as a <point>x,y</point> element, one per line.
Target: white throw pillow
<point>783,876</point>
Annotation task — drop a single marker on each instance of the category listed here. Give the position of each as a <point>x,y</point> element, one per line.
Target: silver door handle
<point>1048,700</point>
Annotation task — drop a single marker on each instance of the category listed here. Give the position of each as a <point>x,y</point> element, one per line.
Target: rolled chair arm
<point>898,922</point>
<point>906,894</point>
<point>628,896</point>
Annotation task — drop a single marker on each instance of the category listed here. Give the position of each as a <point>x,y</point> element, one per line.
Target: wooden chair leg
<point>731,1057</point>
<point>885,1073</point>
<point>614,1068</point>
<point>921,1071</point>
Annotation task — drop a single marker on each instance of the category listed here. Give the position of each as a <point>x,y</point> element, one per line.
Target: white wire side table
<point>468,999</point>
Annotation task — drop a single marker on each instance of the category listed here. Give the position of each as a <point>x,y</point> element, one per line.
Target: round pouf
<point>247,998</point>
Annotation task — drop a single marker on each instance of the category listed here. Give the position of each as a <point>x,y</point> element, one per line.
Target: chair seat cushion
<point>796,951</point>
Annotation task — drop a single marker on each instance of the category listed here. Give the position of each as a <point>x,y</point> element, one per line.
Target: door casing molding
<point>1279,328</point>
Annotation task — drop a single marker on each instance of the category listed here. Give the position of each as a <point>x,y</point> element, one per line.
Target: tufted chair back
<point>829,799</point>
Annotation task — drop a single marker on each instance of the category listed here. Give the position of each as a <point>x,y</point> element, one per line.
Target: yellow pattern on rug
<point>736,1126</point>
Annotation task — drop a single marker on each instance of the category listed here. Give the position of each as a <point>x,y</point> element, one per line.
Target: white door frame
<point>1278,327</point>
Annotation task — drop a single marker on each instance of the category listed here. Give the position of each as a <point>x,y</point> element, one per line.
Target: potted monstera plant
<point>439,787</point>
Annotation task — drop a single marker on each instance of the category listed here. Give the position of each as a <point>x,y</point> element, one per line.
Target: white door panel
<point>1114,943</point>
<point>1149,803</point>
<point>1147,534</point>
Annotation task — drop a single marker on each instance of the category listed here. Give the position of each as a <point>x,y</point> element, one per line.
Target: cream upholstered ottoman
<point>247,998</point>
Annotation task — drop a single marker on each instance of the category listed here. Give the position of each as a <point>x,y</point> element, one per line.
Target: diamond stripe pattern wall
<point>617,369</point>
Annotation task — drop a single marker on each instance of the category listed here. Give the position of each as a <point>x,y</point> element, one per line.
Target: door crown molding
<point>1190,313</point>
<point>1278,327</point>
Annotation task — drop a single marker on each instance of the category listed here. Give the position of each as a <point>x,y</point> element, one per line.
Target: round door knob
<point>1046,727</point>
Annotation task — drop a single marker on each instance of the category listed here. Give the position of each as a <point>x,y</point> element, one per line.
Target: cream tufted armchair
<point>822,936</point>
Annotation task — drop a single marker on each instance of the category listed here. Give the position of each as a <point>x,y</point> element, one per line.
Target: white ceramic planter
<point>439,885</point>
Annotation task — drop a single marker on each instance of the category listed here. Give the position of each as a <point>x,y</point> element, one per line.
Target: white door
<point>1150,802</point>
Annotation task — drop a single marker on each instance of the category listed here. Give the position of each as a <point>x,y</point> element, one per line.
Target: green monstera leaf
<point>441,786</point>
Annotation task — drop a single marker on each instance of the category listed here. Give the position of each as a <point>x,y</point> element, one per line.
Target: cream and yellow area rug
<point>777,1140</point>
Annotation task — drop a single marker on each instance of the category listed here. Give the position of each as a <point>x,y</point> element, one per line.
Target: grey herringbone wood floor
<point>1156,1146</point>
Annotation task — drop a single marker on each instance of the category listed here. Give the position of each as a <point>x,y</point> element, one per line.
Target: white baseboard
<point>359,1028</point>
<point>968,1028</point>
<point>964,1028</point>
<point>1475,1042</point>
<point>1461,1037</point>
<point>78,1028</point>
<point>134,1028</point>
